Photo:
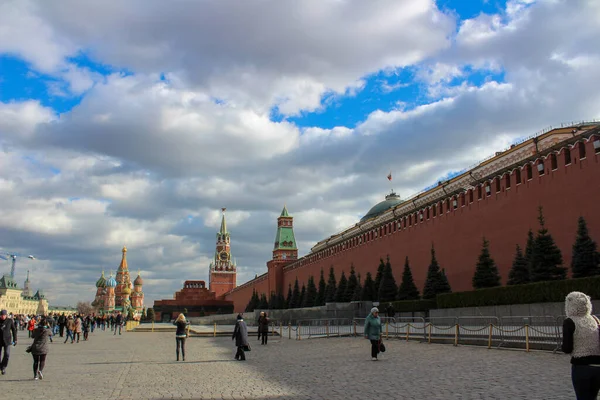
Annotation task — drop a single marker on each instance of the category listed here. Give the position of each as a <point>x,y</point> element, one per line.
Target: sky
<point>133,123</point>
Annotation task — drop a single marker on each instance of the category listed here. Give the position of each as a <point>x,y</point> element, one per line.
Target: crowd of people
<point>43,328</point>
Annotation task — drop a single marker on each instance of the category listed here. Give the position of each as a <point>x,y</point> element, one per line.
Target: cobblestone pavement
<point>142,366</point>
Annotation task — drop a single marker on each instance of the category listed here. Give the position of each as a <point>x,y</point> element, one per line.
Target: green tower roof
<point>285,238</point>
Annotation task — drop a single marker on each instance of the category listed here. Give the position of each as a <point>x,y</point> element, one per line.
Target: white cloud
<point>148,162</point>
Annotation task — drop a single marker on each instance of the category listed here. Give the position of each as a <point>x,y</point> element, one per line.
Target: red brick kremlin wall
<point>504,217</point>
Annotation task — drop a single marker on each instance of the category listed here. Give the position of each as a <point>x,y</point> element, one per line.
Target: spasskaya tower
<point>222,275</point>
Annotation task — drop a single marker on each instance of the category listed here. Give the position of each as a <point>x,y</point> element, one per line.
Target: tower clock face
<point>223,256</point>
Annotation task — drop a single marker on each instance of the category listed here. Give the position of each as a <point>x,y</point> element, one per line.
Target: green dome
<point>390,201</point>
<point>102,281</point>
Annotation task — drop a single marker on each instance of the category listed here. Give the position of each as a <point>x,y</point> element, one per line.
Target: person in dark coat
<point>263,327</point>
<point>8,337</point>
<point>39,348</point>
<point>240,334</point>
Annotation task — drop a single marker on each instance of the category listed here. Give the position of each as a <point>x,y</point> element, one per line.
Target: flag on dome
<point>389,176</point>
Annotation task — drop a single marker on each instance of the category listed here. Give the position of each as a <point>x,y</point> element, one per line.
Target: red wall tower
<point>223,271</point>
<point>285,252</point>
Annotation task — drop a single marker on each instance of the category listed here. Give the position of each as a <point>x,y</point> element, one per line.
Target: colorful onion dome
<point>138,281</point>
<point>111,282</point>
<point>126,289</point>
<point>101,282</point>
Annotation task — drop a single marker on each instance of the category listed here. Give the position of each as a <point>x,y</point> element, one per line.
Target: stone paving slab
<point>143,366</point>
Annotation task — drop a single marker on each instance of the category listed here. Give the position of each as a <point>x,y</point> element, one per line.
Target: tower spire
<point>27,280</point>
<point>223,230</point>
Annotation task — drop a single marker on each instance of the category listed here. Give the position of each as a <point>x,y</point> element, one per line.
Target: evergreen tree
<point>378,277</point>
<point>519,273</point>
<point>254,301</point>
<point>586,259</point>
<point>351,286</point>
<point>143,317</point>
<point>150,314</point>
<point>546,258</point>
<point>331,288</point>
<point>302,296</point>
<point>273,302</point>
<point>311,293</point>
<point>357,295</point>
<point>281,301</point>
<point>368,293</point>
<point>288,299</point>
<point>444,284</point>
<point>529,250</point>
<point>408,290</point>
<point>436,282</point>
<point>322,290</point>
<point>341,289</point>
<point>295,301</point>
<point>387,287</point>
<point>263,304</point>
<point>486,272</point>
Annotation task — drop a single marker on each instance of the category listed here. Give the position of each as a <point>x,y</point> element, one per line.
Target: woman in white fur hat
<point>582,341</point>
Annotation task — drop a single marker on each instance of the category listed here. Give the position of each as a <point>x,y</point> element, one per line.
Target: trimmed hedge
<point>408,306</point>
<point>539,292</point>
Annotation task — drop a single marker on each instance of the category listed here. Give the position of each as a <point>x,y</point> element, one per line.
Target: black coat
<point>263,324</point>
<point>240,334</point>
<point>41,338</point>
<point>6,327</point>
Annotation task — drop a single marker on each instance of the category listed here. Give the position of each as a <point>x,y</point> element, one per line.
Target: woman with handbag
<point>373,331</point>
<point>181,334</point>
<point>39,348</point>
<point>240,334</point>
<point>582,341</point>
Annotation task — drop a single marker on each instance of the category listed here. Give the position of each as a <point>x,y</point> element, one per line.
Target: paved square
<point>142,366</point>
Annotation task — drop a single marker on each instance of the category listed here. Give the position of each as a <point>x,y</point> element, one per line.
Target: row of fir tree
<point>542,261</point>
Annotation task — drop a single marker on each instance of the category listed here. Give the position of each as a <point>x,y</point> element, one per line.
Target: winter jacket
<point>240,333</point>
<point>263,324</point>
<point>77,326</point>
<point>70,324</point>
<point>581,331</point>
<point>41,338</point>
<point>7,328</point>
<point>181,328</point>
<point>373,327</point>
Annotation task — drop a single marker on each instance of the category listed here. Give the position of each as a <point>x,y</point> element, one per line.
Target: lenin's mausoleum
<point>498,199</point>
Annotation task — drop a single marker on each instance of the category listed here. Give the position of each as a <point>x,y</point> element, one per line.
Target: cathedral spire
<point>285,241</point>
<point>284,212</point>
<point>123,266</point>
<point>27,280</point>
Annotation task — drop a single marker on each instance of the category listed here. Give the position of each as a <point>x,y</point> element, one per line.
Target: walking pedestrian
<point>373,331</point>
<point>240,334</point>
<point>77,330</point>
<point>31,325</point>
<point>62,322</point>
<point>118,323</point>
<point>180,334</point>
<point>582,341</point>
<point>263,327</point>
<point>8,337</point>
<point>70,327</point>
<point>39,348</point>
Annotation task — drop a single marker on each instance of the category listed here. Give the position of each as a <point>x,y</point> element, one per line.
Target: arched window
<point>434,210</point>
<point>553,162</point>
<point>478,192</point>
<point>567,155</point>
<point>541,168</point>
<point>497,184</point>
<point>581,146</point>
<point>470,196</point>
<point>529,172</point>
<point>518,175</point>
<point>596,145</point>
<point>507,181</point>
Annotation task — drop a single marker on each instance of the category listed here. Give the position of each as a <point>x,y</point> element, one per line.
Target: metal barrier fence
<point>527,332</point>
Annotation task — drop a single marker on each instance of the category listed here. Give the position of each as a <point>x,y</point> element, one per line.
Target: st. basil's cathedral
<point>119,294</point>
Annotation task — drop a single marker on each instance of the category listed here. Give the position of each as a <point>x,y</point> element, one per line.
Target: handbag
<point>247,347</point>
<point>29,348</point>
<point>381,347</point>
